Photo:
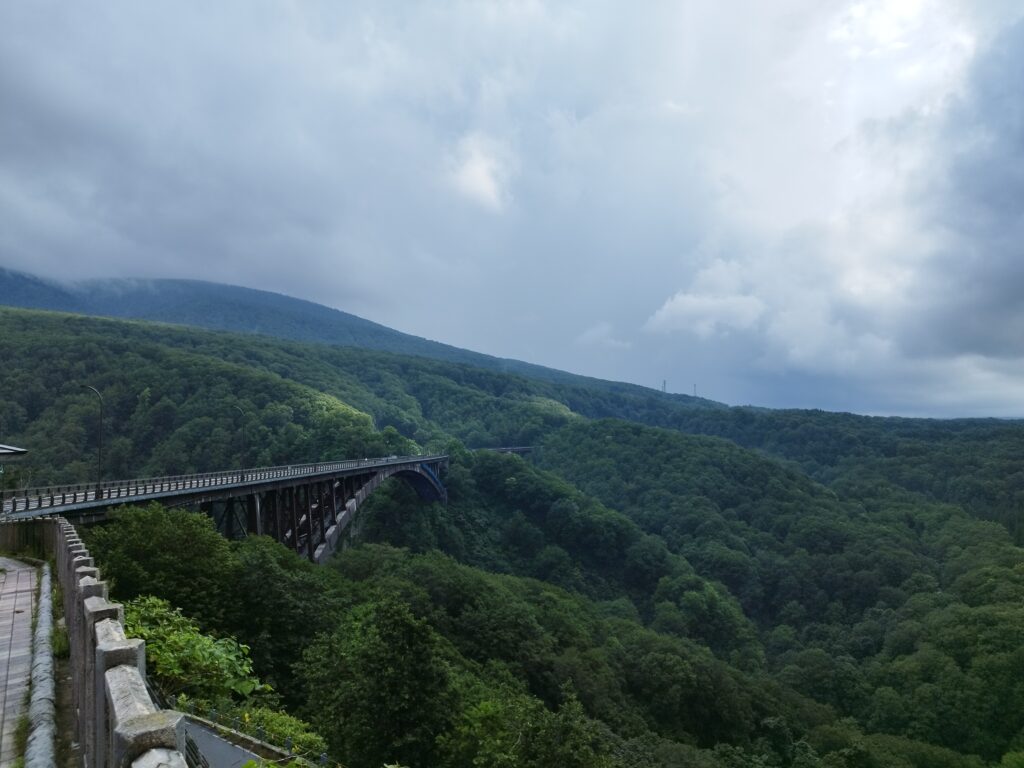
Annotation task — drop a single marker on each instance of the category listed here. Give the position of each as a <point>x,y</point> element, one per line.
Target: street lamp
<point>99,450</point>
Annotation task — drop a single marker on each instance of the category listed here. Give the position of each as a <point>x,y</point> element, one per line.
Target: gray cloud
<point>972,293</point>
<point>674,194</point>
<point>385,158</point>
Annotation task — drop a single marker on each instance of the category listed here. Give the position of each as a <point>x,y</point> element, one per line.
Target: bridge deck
<point>77,498</point>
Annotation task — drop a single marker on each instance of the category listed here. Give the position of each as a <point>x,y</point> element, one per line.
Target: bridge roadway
<point>304,506</point>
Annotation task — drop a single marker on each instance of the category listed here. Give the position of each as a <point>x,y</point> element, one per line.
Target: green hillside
<point>245,310</point>
<point>190,374</point>
<point>973,463</point>
<point>883,608</point>
<point>806,590</point>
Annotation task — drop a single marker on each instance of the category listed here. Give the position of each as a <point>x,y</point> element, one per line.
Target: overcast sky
<point>789,203</point>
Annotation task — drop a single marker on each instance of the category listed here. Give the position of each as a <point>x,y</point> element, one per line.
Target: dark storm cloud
<point>971,295</point>
<point>155,143</point>
<point>382,158</point>
<point>641,196</point>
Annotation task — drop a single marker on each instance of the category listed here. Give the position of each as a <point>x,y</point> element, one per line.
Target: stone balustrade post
<point>96,609</point>
<point>113,649</point>
<point>160,758</point>
<point>67,574</point>
<point>74,620</point>
<point>78,641</point>
<point>137,725</point>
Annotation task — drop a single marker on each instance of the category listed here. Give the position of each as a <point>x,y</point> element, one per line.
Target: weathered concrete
<point>136,725</point>
<point>160,758</point>
<point>96,609</point>
<point>116,721</point>
<point>40,750</point>
<point>17,602</point>
<point>113,649</point>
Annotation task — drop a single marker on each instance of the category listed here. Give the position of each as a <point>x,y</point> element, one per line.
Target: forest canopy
<point>659,583</point>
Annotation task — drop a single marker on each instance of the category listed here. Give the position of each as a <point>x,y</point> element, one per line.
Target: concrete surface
<point>218,752</point>
<point>17,602</point>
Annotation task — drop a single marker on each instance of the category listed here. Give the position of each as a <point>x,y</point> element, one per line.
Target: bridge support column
<point>315,516</point>
<point>293,517</point>
<point>254,520</point>
<point>334,502</point>
<point>228,519</point>
<point>276,515</point>
<point>308,507</point>
<point>321,498</point>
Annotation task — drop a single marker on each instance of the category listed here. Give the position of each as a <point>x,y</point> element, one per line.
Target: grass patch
<point>21,733</point>
<point>59,643</point>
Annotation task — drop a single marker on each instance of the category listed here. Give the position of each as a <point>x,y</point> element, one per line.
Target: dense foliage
<point>973,463</point>
<point>907,616</point>
<point>451,663</point>
<point>199,672</point>
<point>805,589</point>
<point>167,410</point>
<point>233,308</point>
<point>298,402</point>
<point>183,660</point>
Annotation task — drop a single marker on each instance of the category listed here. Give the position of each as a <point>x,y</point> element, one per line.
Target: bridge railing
<point>23,500</point>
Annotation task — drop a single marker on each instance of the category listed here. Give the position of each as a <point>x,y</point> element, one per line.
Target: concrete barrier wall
<point>26,539</point>
<point>40,749</point>
<point>117,723</point>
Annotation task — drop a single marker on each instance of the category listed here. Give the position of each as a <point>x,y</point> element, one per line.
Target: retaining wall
<point>117,724</point>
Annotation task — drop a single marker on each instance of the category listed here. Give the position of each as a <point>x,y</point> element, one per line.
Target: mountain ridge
<point>220,306</point>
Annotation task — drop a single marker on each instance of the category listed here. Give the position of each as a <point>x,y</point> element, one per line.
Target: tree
<point>377,687</point>
<point>174,555</point>
<point>182,660</point>
<point>512,730</point>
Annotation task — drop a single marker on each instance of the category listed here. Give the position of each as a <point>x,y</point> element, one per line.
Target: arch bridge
<point>306,507</point>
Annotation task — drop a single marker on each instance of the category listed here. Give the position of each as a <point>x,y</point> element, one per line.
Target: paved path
<point>17,603</point>
<point>217,751</point>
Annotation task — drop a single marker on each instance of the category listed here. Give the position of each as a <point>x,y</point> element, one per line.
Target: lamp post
<point>99,449</point>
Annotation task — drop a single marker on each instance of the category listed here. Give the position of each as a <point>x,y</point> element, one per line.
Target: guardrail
<point>116,722</point>
<point>46,497</point>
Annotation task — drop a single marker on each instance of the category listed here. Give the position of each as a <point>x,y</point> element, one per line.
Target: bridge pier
<point>321,500</point>
<point>274,497</point>
<point>308,508</point>
<point>291,519</point>
<point>254,520</point>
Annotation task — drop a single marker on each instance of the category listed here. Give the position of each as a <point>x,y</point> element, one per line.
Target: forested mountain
<point>245,310</point>
<point>883,608</point>
<point>931,459</point>
<point>49,357</point>
<point>974,463</point>
<point>657,585</point>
